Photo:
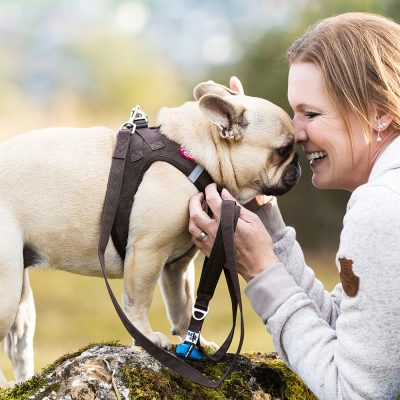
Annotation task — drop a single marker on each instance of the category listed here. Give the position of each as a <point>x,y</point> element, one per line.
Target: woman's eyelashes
<point>311,114</point>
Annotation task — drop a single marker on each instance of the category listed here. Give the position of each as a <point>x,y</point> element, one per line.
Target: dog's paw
<point>205,343</point>
<point>160,339</point>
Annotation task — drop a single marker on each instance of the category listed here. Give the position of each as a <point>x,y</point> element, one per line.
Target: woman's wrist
<point>259,268</point>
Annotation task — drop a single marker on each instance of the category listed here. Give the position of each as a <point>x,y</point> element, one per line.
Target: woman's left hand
<point>253,244</point>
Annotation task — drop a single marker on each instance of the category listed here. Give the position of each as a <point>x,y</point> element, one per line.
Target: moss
<point>24,390</point>
<point>147,384</point>
<point>49,368</point>
<point>294,386</point>
<point>276,378</point>
<point>267,373</point>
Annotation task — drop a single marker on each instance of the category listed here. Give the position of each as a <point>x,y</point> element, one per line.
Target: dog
<point>52,188</point>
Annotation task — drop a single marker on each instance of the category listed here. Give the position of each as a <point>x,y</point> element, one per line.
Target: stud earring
<point>380,126</point>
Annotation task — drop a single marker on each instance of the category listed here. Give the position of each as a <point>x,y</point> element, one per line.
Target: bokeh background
<point>87,62</point>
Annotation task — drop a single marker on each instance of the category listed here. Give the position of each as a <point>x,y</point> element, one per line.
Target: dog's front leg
<point>177,288</point>
<point>142,269</point>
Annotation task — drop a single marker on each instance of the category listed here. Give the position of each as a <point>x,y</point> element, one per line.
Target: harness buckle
<point>137,117</point>
<point>203,313</point>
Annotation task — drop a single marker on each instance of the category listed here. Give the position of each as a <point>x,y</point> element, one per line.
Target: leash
<point>222,258</point>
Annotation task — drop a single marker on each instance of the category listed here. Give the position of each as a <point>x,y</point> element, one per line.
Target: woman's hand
<point>253,244</point>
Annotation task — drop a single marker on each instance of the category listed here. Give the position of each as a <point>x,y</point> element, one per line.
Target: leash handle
<point>109,210</point>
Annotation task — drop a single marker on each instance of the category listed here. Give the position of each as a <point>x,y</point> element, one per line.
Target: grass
<point>74,310</point>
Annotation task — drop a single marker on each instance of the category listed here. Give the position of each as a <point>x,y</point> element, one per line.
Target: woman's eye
<point>310,114</point>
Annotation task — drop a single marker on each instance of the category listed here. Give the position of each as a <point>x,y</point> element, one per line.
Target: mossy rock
<point>111,371</point>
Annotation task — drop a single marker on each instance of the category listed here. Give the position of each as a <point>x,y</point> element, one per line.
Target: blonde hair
<point>359,55</point>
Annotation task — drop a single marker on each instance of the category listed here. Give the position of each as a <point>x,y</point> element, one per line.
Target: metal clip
<point>137,116</point>
<point>200,311</point>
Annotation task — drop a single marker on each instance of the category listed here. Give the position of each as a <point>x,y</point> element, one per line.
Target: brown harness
<point>146,146</point>
<point>140,143</point>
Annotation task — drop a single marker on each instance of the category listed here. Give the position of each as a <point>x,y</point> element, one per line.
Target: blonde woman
<point>344,89</point>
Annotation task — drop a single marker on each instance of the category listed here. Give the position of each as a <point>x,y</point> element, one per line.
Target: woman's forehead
<point>306,87</point>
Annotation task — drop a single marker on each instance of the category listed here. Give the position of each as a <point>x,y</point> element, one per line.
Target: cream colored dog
<point>52,188</point>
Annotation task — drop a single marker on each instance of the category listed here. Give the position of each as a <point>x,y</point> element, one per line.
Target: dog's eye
<point>286,150</point>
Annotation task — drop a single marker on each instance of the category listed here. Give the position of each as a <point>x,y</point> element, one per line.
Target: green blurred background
<point>87,62</point>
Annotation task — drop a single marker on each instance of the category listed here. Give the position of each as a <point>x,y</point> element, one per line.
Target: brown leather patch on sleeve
<point>350,281</point>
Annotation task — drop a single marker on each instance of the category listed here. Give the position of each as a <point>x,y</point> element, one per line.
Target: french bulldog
<point>52,189</point>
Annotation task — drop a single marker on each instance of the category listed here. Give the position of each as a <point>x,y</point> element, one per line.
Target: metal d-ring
<point>200,311</point>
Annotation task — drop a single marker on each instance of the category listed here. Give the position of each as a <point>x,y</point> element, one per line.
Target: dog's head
<point>254,139</point>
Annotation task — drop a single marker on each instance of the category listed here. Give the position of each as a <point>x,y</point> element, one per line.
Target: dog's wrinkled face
<point>256,141</point>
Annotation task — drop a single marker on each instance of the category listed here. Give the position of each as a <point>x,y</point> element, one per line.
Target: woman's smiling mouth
<point>316,156</point>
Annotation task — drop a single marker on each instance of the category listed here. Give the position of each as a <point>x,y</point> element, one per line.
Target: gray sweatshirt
<point>344,344</point>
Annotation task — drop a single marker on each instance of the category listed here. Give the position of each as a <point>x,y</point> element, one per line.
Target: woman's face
<point>322,133</point>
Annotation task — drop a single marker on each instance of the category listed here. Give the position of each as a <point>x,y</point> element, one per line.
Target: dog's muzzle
<point>289,179</point>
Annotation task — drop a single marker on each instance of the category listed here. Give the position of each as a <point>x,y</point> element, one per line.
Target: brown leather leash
<point>222,258</point>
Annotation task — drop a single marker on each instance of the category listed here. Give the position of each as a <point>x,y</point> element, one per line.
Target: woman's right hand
<point>253,244</point>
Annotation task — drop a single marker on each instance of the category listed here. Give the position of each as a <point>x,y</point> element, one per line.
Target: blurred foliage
<point>122,72</point>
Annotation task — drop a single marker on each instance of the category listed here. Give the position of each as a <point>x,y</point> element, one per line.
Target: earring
<point>380,126</point>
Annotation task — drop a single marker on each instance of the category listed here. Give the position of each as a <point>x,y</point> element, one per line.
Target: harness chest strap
<point>228,218</point>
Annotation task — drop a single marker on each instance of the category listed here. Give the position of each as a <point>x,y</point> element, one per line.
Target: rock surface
<point>115,372</point>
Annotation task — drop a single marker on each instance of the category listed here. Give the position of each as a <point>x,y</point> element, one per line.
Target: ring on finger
<point>201,236</point>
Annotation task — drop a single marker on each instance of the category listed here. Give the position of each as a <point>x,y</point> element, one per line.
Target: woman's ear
<point>381,121</point>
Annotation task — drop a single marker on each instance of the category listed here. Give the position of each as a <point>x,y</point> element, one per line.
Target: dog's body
<point>52,188</point>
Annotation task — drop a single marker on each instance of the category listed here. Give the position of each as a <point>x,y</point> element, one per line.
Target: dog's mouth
<point>290,178</point>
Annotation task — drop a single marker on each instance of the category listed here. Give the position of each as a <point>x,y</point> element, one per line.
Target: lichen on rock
<point>115,372</point>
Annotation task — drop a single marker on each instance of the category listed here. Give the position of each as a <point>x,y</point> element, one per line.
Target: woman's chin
<point>320,183</point>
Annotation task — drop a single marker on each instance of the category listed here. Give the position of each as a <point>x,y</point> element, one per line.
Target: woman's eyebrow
<point>303,106</point>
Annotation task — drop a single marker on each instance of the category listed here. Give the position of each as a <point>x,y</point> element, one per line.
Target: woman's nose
<point>300,132</point>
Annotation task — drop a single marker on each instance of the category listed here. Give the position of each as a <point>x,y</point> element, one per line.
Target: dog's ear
<point>211,87</point>
<point>225,114</point>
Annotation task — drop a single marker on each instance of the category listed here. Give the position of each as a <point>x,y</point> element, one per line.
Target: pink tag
<point>183,152</point>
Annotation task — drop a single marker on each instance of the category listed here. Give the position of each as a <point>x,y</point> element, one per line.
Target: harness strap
<point>228,219</point>
<point>151,137</point>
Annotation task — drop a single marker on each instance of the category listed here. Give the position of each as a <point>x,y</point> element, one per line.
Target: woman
<point>344,88</point>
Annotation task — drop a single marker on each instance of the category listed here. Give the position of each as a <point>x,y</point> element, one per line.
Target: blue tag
<point>183,348</point>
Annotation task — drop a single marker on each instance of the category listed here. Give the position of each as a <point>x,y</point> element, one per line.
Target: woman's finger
<point>198,217</point>
<point>245,214</point>
<point>214,200</point>
<point>226,195</point>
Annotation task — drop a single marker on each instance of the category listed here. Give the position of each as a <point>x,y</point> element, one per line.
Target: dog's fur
<point>52,188</point>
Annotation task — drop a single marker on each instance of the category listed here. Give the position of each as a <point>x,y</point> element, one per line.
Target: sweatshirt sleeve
<point>289,253</point>
<point>359,358</point>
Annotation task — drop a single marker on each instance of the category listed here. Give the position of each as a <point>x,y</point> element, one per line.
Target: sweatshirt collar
<point>389,159</point>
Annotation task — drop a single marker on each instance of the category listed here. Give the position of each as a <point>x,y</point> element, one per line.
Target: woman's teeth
<point>316,155</point>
